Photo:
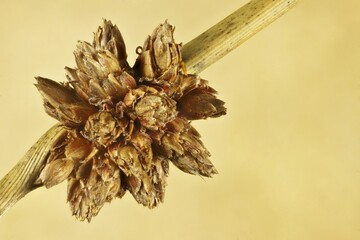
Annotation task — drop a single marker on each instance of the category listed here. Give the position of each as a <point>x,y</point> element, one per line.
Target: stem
<point>22,178</point>
<point>232,31</point>
<point>198,54</point>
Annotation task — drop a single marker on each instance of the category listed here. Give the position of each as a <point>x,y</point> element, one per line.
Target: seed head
<point>125,124</point>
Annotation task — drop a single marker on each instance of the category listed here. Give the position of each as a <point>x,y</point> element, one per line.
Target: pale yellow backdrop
<point>288,151</point>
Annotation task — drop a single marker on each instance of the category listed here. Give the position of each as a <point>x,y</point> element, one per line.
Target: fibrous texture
<point>125,124</point>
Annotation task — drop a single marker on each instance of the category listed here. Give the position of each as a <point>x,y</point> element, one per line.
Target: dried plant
<point>124,125</point>
<point>120,125</point>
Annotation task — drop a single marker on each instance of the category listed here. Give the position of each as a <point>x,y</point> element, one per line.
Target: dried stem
<point>198,54</point>
<point>232,31</point>
<point>22,178</point>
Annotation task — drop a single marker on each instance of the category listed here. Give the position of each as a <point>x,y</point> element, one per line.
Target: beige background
<point>287,152</point>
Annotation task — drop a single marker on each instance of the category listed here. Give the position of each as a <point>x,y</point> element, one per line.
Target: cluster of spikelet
<point>125,124</point>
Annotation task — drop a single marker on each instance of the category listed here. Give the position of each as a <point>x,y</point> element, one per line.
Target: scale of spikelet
<point>125,124</point>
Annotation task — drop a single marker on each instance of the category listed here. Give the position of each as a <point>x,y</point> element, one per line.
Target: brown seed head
<point>126,124</point>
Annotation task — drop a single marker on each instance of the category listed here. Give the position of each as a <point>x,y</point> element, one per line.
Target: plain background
<point>288,151</point>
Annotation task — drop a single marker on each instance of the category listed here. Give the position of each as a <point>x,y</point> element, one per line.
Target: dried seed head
<point>100,77</point>
<point>166,53</point>
<point>97,181</point>
<point>136,177</point>
<point>126,124</point>
<point>62,103</point>
<point>109,37</point>
<point>161,56</point>
<point>201,104</point>
<point>184,148</point>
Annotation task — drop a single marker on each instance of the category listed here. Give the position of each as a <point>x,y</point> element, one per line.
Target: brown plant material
<point>125,124</point>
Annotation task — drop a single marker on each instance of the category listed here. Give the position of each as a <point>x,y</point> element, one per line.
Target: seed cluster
<point>125,124</point>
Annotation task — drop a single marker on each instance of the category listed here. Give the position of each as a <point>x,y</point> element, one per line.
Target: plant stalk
<point>22,178</point>
<point>232,31</point>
